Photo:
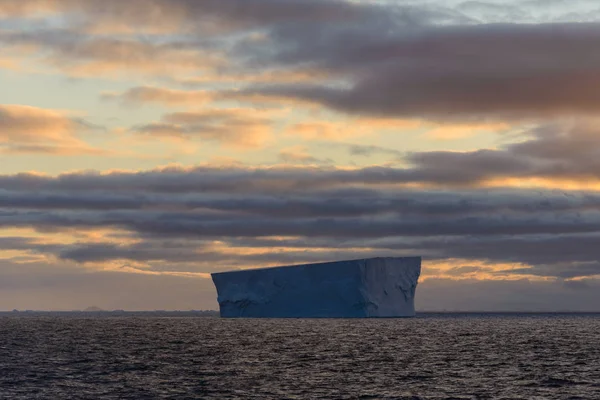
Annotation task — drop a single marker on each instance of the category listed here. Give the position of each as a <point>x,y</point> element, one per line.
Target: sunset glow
<point>147,143</point>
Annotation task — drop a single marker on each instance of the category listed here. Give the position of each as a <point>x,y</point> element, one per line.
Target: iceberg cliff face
<point>374,287</point>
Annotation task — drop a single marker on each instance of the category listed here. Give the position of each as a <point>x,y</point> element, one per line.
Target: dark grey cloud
<point>230,15</point>
<point>558,255</point>
<point>175,252</point>
<point>237,223</point>
<point>565,151</point>
<point>209,179</point>
<point>552,233</point>
<point>177,255</point>
<point>184,35</point>
<point>176,213</point>
<point>466,72</point>
<point>239,14</point>
<point>189,259</point>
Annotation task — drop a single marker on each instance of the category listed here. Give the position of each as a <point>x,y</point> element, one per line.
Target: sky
<point>147,143</point>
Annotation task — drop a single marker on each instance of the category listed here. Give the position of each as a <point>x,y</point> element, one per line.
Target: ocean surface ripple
<point>471,356</point>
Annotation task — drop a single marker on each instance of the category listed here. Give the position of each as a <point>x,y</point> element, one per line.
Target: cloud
<point>185,14</point>
<point>318,130</point>
<point>501,255</point>
<point>311,129</point>
<point>553,156</point>
<point>83,55</point>
<point>462,131</point>
<point>440,63</point>
<point>230,179</point>
<point>314,211</point>
<point>16,8</point>
<point>25,129</point>
<point>299,155</point>
<point>9,63</point>
<point>464,73</point>
<point>234,127</point>
<point>156,37</point>
<point>466,270</point>
<point>28,124</point>
<point>169,97</point>
<point>369,150</point>
<point>554,151</point>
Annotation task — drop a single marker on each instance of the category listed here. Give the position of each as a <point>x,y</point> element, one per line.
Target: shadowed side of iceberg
<point>375,287</point>
<point>389,286</point>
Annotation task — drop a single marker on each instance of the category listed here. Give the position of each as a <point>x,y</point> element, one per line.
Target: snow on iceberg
<point>373,287</point>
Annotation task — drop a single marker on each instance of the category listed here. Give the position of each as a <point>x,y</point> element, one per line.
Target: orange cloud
<point>164,96</point>
<point>118,57</point>
<point>110,17</point>
<point>348,127</point>
<point>318,130</point>
<point>28,124</point>
<point>19,8</point>
<point>9,63</point>
<point>265,76</point>
<point>79,55</point>
<point>461,131</point>
<point>458,269</point>
<point>583,183</point>
<point>25,129</point>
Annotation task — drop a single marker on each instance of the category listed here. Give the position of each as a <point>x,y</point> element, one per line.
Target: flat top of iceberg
<point>320,264</point>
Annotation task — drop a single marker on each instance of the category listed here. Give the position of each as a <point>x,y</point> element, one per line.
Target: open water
<point>471,356</point>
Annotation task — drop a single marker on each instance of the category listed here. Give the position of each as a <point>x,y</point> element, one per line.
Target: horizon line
<point>15,311</point>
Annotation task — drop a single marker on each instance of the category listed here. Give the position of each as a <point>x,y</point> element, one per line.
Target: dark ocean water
<point>475,356</point>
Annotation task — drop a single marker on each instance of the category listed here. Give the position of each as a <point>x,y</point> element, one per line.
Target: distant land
<point>98,312</point>
<point>93,309</point>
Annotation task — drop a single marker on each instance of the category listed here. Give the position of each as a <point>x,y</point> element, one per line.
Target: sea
<point>433,356</point>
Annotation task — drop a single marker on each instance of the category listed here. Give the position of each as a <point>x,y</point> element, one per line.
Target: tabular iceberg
<point>373,287</point>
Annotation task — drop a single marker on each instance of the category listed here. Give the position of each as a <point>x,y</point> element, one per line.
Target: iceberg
<point>372,287</point>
